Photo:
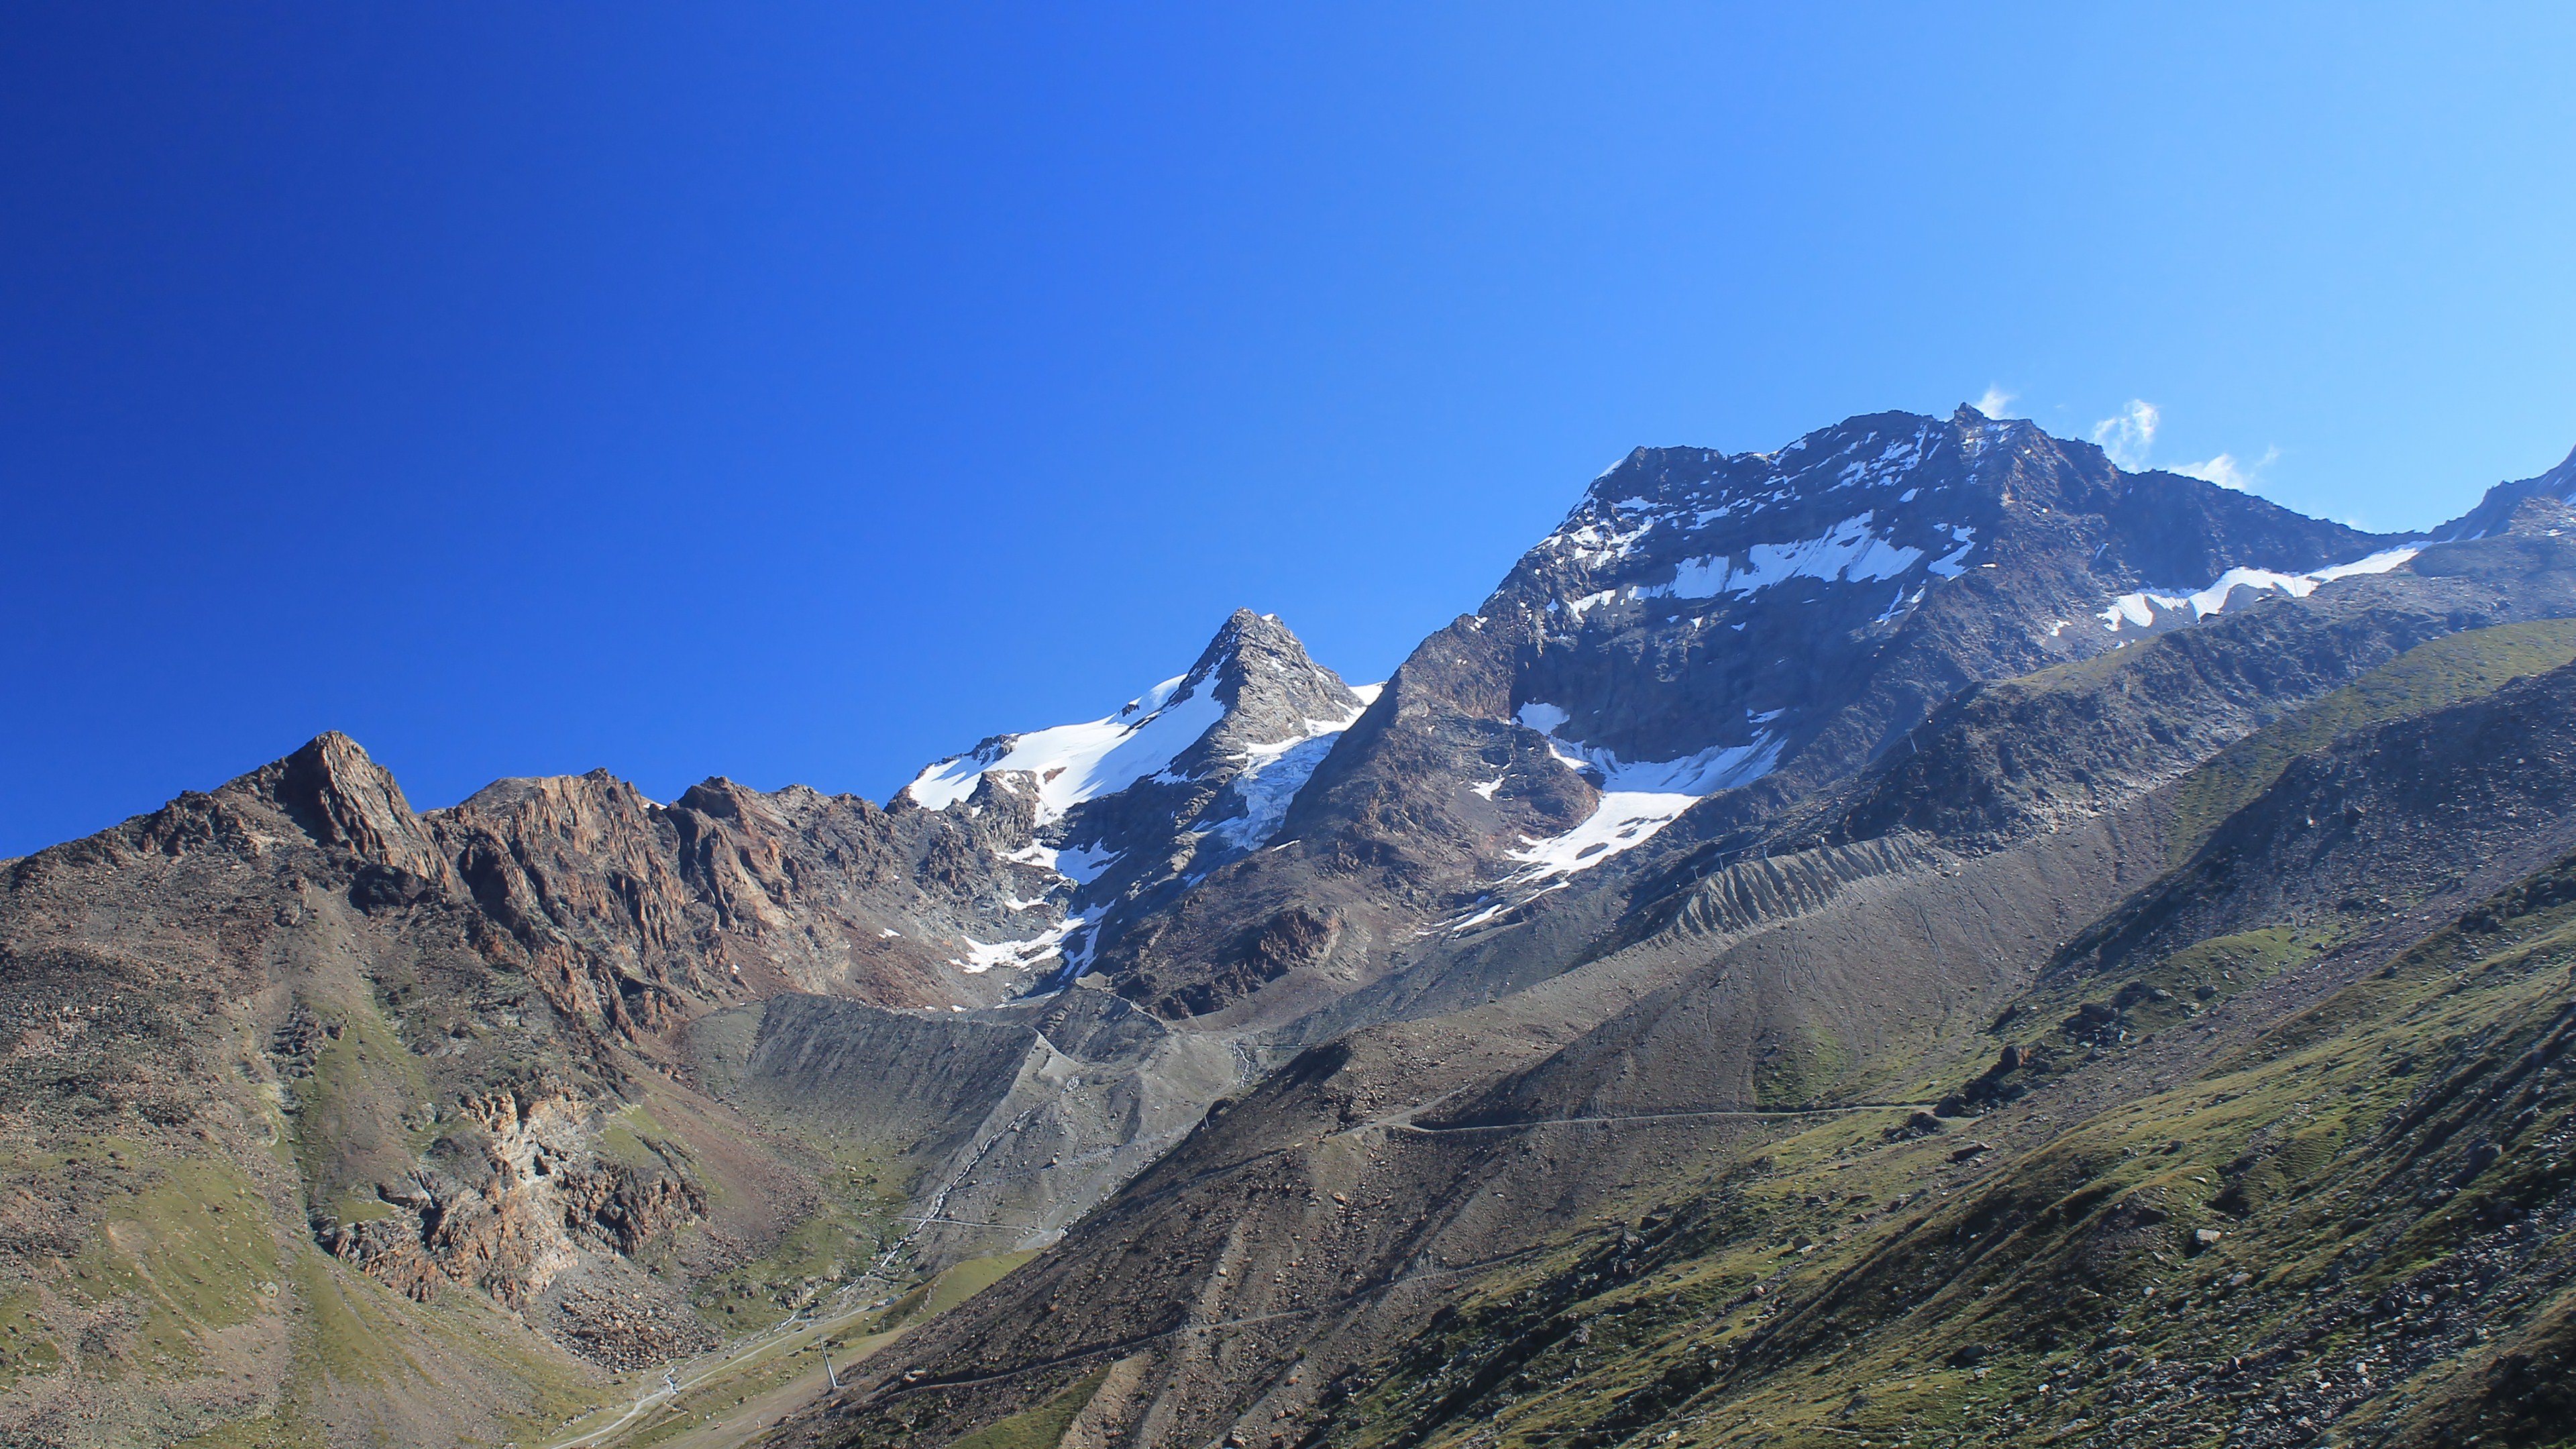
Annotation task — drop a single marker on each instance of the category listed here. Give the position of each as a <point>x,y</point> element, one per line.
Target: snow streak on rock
<point>2139,610</point>
<point>1638,797</point>
<point>1197,771</point>
<point>1274,773</point>
<point>1858,507</point>
<point>1079,762</point>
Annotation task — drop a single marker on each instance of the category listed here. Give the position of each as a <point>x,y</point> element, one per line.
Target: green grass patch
<point>970,1278</point>
<point>267,1431</point>
<point>631,1138</point>
<point>26,1346</point>
<point>194,1250</point>
<point>2066,1022</point>
<point>1801,1069</point>
<point>353,1336</point>
<point>357,1115</point>
<point>2428,677</point>
<point>2192,979</point>
<point>855,1224</point>
<point>1039,1428</point>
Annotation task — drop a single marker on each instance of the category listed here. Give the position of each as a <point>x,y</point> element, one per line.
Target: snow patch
<point>1084,866</point>
<point>1590,601</point>
<point>1076,762</point>
<point>1544,718</point>
<point>1273,774</point>
<point>1604,541</point>
<point>1848,552</point>
<point>2138,609</point>
<point>1018,955</point>
<point>1484,909</point>
<point>2384,561</point>
<point>1638,797</point>
<point>1954,563</point>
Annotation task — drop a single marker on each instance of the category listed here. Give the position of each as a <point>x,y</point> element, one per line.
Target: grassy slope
<point>738,1398</point>
<point>1041,1427</point>
<point>355,1353</point>
<point>1842,1286</point>
<point>855,1221</point>
<point>2427,677</point>
<point>187,1305</point>
<point>184,1273</point>
<point>1934,1298</point>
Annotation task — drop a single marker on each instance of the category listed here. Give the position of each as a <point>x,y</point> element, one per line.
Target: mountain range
<point>1923,937</point>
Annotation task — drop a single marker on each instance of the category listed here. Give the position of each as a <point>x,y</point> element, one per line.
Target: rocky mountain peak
<point>1273,693</point>
<point>1702,622</point>
<point>2495,512</point>
<point>1252,693</point>
<point>1887,506</point>
<point>344,799</point>
<point>1130,809</point>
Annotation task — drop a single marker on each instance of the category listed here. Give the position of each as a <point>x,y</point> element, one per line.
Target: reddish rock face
<point>543,1200</point>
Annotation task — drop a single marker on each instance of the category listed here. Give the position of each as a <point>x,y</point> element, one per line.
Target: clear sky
<point>801,393</point>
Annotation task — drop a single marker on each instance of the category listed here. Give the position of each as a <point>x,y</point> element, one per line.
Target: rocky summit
<point>1918,938</point>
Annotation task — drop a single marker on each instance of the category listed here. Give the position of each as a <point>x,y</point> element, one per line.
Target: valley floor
<point>729,1395</point>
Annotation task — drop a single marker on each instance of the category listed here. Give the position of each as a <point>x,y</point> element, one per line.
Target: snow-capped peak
<point>1078,762</point>
<point>1197,771</point>
<point>1252,697</point>
<point>1887,500</point>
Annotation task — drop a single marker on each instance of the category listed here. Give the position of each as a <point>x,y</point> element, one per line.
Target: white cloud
<point>2225,471</point>
<point>1994,403</point>
<point>2128,434</point>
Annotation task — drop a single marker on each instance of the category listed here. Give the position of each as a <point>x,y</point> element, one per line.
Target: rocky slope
<point>2495,512</point>
<point>1610,1164</point>
<point>1831,933</point>
<point>519,1058</point>
<point>2093,1188</point>
<point>1701,624</point>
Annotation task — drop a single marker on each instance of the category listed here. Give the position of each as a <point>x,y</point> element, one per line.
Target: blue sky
<point>800,393</point>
